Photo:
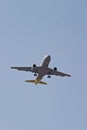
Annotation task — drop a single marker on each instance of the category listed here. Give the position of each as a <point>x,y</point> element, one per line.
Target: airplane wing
<point>57,73</point>
<point>31,69</point>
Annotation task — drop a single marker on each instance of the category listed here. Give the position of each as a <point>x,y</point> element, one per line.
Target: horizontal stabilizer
<point>36,82</point>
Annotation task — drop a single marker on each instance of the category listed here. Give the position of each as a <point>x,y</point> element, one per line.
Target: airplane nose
<point>49,57</point>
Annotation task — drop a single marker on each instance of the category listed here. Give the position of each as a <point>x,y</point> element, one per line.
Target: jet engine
<point>33,69</point>
<point>55,68</point>
<point>35,74</point>
<point>48,76</point>
<point>34,65</point>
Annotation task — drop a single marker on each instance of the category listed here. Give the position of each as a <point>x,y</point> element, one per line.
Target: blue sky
<point>29,30</point>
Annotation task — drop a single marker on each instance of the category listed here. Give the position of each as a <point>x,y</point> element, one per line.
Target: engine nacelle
<point>55,68</point>
<point>34,65</point>
<point>48,76</point>
<point>35,74</point>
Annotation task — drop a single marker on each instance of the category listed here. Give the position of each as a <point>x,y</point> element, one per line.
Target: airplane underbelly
<point>39,77</point>
<point>41,73</point>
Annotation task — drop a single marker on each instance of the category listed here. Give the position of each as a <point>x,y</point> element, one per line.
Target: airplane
<point>41,71</point>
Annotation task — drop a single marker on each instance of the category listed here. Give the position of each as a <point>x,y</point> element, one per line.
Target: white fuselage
<point>44,66</point>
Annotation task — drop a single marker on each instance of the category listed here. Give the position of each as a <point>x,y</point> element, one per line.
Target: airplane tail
<point>36,82</point>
